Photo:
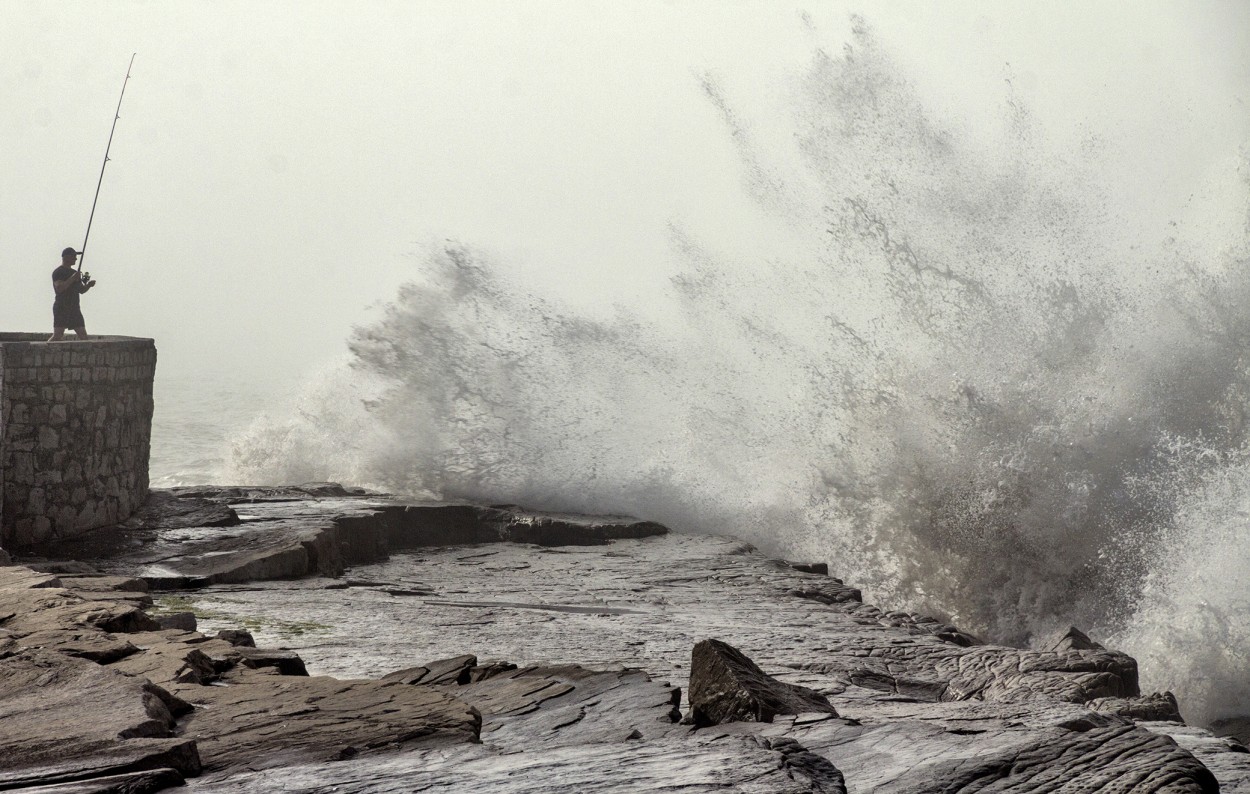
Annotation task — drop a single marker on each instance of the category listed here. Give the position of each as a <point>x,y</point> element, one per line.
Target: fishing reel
<point>87,280</point>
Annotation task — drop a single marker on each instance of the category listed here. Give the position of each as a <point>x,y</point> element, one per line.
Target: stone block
<point>23,467</point>
<point>48,438</point>
<point>34,502</point>
<point>24,533</point>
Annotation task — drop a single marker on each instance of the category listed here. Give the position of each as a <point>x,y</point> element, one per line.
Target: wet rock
<point>456,670</point>
<point>822,776</point>
<point>921,703</point>
<point>832,591</point>
<point>183,621</point>
<point>730,764</point>
<point>548,706</point>
<point>196,537</point>
<point>948,672</point>
<point>121,618</point>
<point>142,782</point>
<point>1069,639</point>
<point>489,670</point>
<point>519,526</point>
<point>284,662</point>
<point>237,637</point>
<point>1157,707</point>
<point>97,646</point>
<point>73,567</point>
<point>259,720</point>
<point>1236,727</point>
<point>68,719</point>
<point>167,660</point>
<point>819,568</point>
<point>726,686</point>
<point>103,583</point>
<point>168,510</point>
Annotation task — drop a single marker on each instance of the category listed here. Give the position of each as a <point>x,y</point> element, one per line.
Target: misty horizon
<point>281,168</point>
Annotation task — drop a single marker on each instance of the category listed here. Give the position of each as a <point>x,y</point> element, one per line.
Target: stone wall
<point>75,433</point>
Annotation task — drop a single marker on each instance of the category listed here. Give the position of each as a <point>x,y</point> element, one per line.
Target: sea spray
<point>955,381</point>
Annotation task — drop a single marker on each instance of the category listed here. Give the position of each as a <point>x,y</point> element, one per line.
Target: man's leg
<point>58,333</point>
<point>81,331</point>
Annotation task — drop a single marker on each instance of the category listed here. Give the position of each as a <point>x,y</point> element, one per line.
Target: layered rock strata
<point>551,666</point>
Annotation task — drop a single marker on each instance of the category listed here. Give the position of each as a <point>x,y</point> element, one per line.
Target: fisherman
<point>69,285</point>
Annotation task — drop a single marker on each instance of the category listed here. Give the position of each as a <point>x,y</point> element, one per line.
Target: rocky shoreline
<point>471,648</point>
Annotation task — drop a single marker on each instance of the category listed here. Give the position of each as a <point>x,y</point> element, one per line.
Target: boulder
<point>726,686</point>
<point>184,621</point>
<point>237,637</point>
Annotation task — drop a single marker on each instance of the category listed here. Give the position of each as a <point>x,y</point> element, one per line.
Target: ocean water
<point>954,370</point>
<point>196,416</point>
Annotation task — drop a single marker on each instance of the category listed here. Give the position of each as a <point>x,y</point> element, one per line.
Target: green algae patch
<point>171,604</point>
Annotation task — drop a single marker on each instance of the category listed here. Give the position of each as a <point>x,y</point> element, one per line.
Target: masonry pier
<point>75,434</point>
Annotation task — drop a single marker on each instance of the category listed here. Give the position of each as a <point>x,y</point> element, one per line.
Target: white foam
<point>953,381</point>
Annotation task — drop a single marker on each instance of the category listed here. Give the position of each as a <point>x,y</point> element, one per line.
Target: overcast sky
<point>277,163</point>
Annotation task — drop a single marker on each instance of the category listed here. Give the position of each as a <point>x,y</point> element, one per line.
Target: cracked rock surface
<point>462,648</point>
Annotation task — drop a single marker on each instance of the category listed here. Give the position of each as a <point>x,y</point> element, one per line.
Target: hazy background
<point>277,162</point>
<point>1041,418</point>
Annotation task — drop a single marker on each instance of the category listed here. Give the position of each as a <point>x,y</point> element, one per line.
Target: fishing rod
<point>82,253</point>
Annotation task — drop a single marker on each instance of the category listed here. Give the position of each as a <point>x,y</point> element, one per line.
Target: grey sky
<point>276,161</point>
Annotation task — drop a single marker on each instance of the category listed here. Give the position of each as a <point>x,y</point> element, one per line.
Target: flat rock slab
<point>69,720</point>
<point>556,705</point>
<point>909,693</point>
<point>255,720</point>
<point>694,766</point>
<point>194,537</point>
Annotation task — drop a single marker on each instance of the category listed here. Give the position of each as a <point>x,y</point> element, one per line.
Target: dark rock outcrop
<point>194,537</point>
<point>818,568</point>
<point>726,686</point>
<point>1069,639</point>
